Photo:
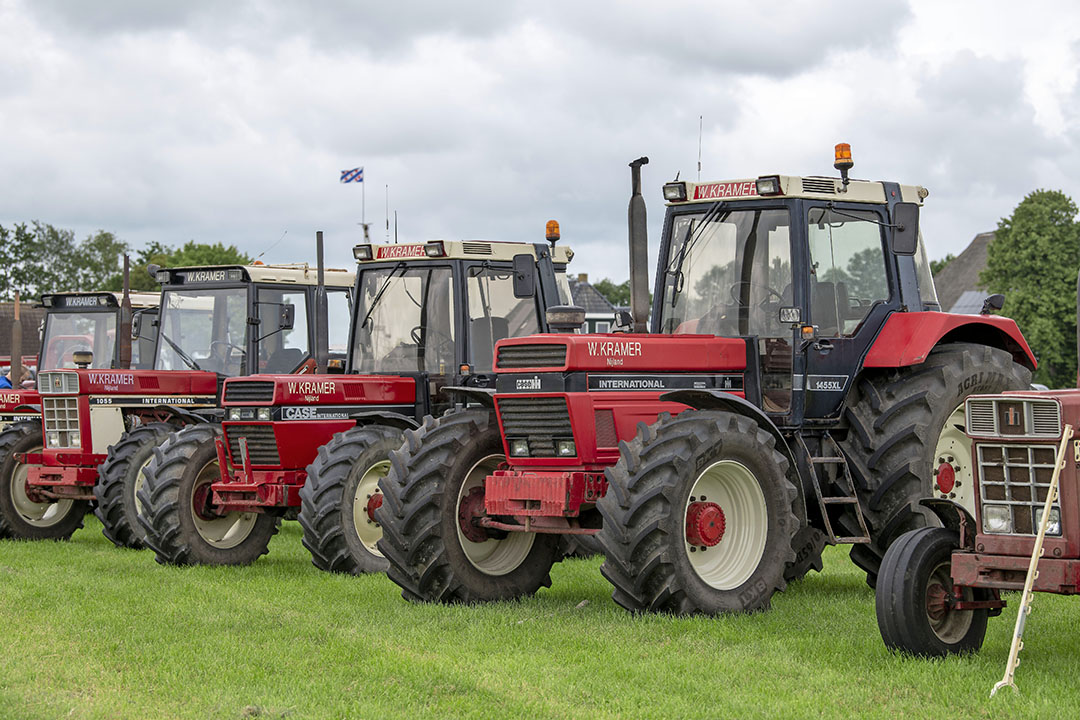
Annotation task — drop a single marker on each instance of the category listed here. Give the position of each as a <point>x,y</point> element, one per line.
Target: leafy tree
<point>192,253</point>
<point>1033,260</point>
<point>618,295</point>
<point>936,266</point>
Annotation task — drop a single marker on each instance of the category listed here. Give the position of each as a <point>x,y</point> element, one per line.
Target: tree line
<point>37,258</point>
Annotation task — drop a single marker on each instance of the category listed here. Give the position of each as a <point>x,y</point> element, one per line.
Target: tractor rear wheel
<point>182,526</point>
<point>699,516</point>
<point>914,597</point>
<point>119,479</point>
<point>23,516</point>
<point>430,496</point>
<point>904,425</point>
<point>338,501</point>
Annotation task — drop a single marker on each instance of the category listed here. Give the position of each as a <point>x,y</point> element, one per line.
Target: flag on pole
<point>354,175</point>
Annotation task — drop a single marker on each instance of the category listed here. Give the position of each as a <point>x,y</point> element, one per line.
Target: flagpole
<point>363,209</point>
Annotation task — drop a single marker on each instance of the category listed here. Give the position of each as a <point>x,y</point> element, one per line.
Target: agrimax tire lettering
<point>976,380</point>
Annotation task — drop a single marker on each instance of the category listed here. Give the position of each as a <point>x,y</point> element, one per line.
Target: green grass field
<point>88,631</point>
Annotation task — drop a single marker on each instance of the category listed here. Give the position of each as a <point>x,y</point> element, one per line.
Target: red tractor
<point>425,319</point>
<point>101,424</point>
<point>799,386</point>
<point>74,323</point>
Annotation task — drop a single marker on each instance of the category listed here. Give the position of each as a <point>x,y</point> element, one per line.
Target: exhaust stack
<point>15,371</point>
<point>639,251</point>
<point>124,331</point>
<point>322,332</point>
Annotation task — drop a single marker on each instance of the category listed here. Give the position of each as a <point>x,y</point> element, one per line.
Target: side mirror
<point>905,235</point>
<point>524,276</point>
<point>623,319</point>
<point>565,318</point>
<point>153,270</point>
<point>136,324</point>
<point>994,303</point>
<point>288,317</point>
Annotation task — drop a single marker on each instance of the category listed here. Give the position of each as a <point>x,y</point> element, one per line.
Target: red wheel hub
<point>472,507</point>
<point>374,503</point>
<point>704,524</point>
<point>936,605</point>
<point>946,478</point>
<point>200,503</point>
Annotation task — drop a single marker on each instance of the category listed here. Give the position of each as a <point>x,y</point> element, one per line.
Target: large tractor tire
<point>699,516</point>
<point>119,479</point>
<point>809,544</point>
<point>21,517</point>
<point>338,501</point>
<point>912,596</point>
<point>181,525</point>
<point>904,425</point>
<point>434,555</point>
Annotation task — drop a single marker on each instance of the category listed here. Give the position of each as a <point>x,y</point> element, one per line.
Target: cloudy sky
<point>231,121</point>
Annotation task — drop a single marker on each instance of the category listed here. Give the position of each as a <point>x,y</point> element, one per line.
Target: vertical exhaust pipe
<point>124,339</point>
<point>639,251</point>
<point>322,331</point>
<point>15,371</point>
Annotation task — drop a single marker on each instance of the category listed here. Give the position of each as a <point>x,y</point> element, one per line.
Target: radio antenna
<point>699,126</point>
<point>272,246</point>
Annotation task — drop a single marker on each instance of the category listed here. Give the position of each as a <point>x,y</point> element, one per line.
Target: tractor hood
<point>320,390</point>
<point>620,352</point>
<point>142,383</point>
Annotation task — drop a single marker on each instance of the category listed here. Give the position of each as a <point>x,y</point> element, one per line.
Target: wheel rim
<point>222,532</point>
<point>952,456</point>
<point>138,486</point>
<point>950,626</point>
<point>365,500</point>
<point>737,553</point>
<point>492,556</point>
<point>37,514</point>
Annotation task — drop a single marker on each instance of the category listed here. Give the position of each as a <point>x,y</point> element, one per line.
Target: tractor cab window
<point>562,282</point>
<point>282,350</point>
<point>339,315</point>
<point>847,269</point>
<point>495,314</point>
<point>405,320</point>
<point>203,329</point>
<point>927,289</point>
<point>69,332</point>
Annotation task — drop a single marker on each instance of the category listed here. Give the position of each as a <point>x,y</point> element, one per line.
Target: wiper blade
<point>179,351</point>
<point>675,266</point>
<point>380,293</point>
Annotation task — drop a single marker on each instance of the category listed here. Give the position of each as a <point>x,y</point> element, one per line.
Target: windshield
<point>728,273</point>
<point>495,314</point>
<point>405,320</point>
<point>69,332</point>
<point>203,330</point>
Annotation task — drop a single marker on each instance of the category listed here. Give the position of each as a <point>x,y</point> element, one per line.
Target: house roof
<point>970,303</point>
<point>962,274</point>
<point>588,297</point>
<point>31,319</point>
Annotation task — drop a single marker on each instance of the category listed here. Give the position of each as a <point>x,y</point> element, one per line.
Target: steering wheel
<point>435,340</point>
<point>228,346</point>
<point>769,292</point>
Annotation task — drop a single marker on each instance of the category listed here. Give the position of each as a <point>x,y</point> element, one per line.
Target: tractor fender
<point>953,516</point>
<point>382,417</point>
<point>907,338</point>
<point>483,396</point>
<point>27,409</point>
<point>187,416</point>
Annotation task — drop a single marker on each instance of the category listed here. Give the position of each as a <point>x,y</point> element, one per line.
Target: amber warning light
<point>552,230</point>
<point>843,161</point>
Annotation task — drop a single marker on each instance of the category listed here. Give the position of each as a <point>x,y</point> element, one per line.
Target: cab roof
<point>815,188</point>
<point>456,250</point>
<point>294,273</point>
<point>77,301</point>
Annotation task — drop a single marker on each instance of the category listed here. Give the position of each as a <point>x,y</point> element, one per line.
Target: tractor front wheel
<point>915,596</point>
<point>182,525</point>
<point>699,516</point>
<point>431,497</point>
<point>23,514</point>
<point>339,499</point>
<point>119,479</point>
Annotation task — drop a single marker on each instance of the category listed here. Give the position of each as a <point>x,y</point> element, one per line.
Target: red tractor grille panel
<point>251,391</point>
<point>1016,477</point>
<point>261,444</point>
<point>540,420</point>
<point>531,356</point>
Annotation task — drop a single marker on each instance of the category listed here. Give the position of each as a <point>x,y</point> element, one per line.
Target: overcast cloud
<point>231,121</point>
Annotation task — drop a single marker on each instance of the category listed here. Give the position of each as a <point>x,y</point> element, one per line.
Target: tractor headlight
<point>519,448</point>
<point>1053,525</point>
<point>997,519</point>
<point>75,440</point>
<point>565,448</point>
<point>234,413</point>
<point>263,414</point>
<point>675,192</point>
<point>53,438</point>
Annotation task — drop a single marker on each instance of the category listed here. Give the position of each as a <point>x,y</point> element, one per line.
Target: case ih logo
<point>1012,417</point>
<point>400,251</point>
<point>532,383</point>
<point>745,188</point>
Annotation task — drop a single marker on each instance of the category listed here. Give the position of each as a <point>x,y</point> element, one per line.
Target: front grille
<point>531,356</point>
<point>58,383</point>
<point>61,415</point>
<point>1012,416</point>
<point>1016,477</point>
<point>539,420</point>
<point>261,444</point>
<point>819,185</point>
<point>249,391</point>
